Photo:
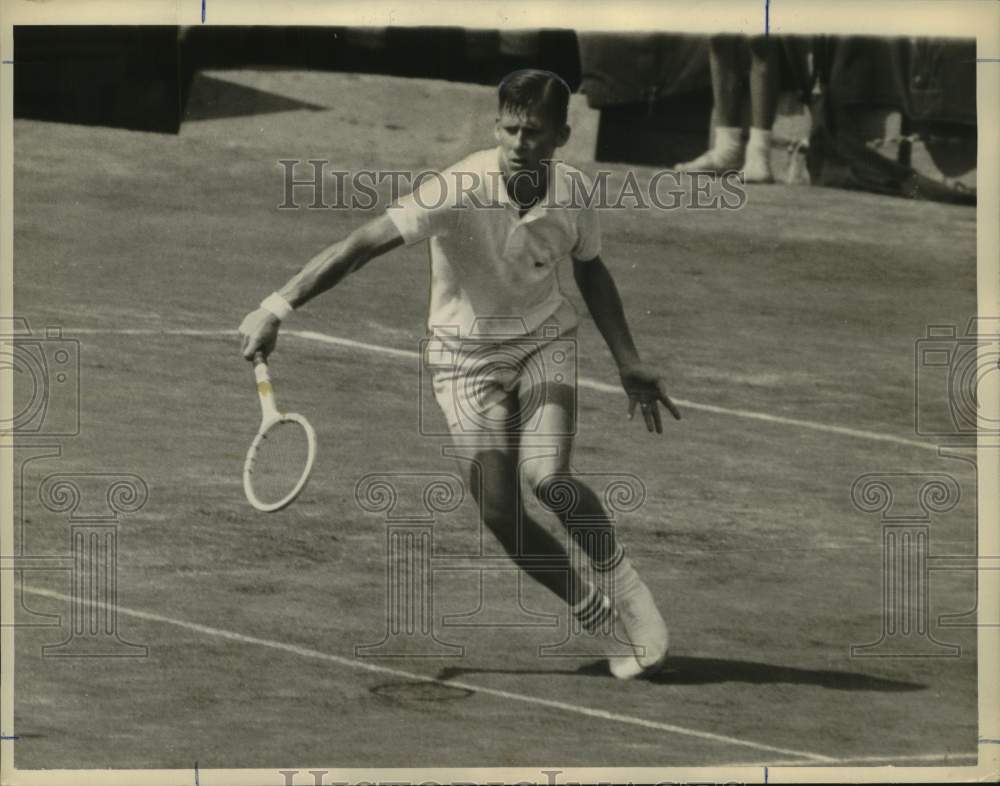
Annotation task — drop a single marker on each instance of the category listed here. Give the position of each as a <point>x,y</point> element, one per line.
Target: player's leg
<point>725,59</point>
<point>490,471</point>
<point>546,472</point>
<point>763,108</point>
<point>487,454</point>
<point>546,447</point>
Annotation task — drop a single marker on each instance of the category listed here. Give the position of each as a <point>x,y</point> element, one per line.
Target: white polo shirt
<point>493,272</point>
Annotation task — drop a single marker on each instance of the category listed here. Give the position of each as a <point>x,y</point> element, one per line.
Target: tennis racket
<point>281,456</point>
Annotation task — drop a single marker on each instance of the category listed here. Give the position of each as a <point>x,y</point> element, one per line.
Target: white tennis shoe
<point>639,622</point>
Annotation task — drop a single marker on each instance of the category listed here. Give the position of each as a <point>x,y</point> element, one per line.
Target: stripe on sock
<point>613,562</point>
<point>587,606</point>
<point>596,612</point>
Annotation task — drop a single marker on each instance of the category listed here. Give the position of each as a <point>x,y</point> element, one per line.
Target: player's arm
<point>605,305</point>
<point>642,384</point>
<point>325,270</point>
<point>332,264</point>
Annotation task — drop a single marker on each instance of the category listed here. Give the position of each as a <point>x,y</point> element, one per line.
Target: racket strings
<point>281,458</point>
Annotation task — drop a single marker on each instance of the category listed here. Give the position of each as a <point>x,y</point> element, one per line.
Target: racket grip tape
<point>264,389</point>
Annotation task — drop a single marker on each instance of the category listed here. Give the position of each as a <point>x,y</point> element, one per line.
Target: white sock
<point>728,139</point>
<point>760,142</point>
<point>585,600</point>
<point>618,575</point>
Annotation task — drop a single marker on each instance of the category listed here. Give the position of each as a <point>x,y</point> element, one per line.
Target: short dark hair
<point>533,87</point>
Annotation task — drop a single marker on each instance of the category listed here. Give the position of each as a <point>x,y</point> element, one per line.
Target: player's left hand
<point>646,390</point>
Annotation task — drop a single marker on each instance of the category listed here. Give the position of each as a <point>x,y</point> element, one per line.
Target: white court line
<point>583,382</point>
<point>307,652</point>
<point>899,760</point>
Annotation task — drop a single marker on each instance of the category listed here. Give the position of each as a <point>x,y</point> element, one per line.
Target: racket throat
<point>268,406</point>
<point>268,409</point>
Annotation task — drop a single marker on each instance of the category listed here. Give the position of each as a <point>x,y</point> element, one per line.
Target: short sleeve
<point>430,210</point>
<point>588,231</point>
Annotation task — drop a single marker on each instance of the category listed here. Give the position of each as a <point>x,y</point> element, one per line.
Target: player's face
<point>527,138</point>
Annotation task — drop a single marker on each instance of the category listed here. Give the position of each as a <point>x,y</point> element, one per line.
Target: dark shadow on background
<point>682,670</point>
<point>139,77</point>
<point>429,52</point>
<point>213,98</point>
<point>119,76</point>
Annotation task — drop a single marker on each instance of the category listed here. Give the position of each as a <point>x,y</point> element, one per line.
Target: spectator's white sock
<point>726,153</point>
<point>760,142</point>
<point>757,167</point>
<point>727,140</point>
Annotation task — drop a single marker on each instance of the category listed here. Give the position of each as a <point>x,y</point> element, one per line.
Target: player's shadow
<point>687,670</point>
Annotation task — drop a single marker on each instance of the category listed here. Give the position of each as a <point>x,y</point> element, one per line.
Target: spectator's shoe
<point>757,170</point>
<point>714,160</point>
<point>638,621</point>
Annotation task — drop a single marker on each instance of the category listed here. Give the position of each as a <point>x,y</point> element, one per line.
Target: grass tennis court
<point>805,305</point>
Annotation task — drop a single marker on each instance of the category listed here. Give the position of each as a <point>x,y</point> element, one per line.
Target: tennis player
<point>502,340</point>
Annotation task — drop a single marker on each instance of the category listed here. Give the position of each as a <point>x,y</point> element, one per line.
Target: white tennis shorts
<point>471,377</point>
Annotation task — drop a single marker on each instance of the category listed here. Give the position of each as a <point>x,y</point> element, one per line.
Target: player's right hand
<point>259,330</point>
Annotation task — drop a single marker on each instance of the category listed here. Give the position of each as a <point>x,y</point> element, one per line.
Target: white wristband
<point>277,305</point>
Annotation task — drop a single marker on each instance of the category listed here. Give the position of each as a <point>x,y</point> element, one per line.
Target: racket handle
<point>261,372</point>
<point>265,392</point>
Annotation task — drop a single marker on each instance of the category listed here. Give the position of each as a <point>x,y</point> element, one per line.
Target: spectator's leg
<point>725,58</point>
<point>725,54</point>
<point>763,107</point>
